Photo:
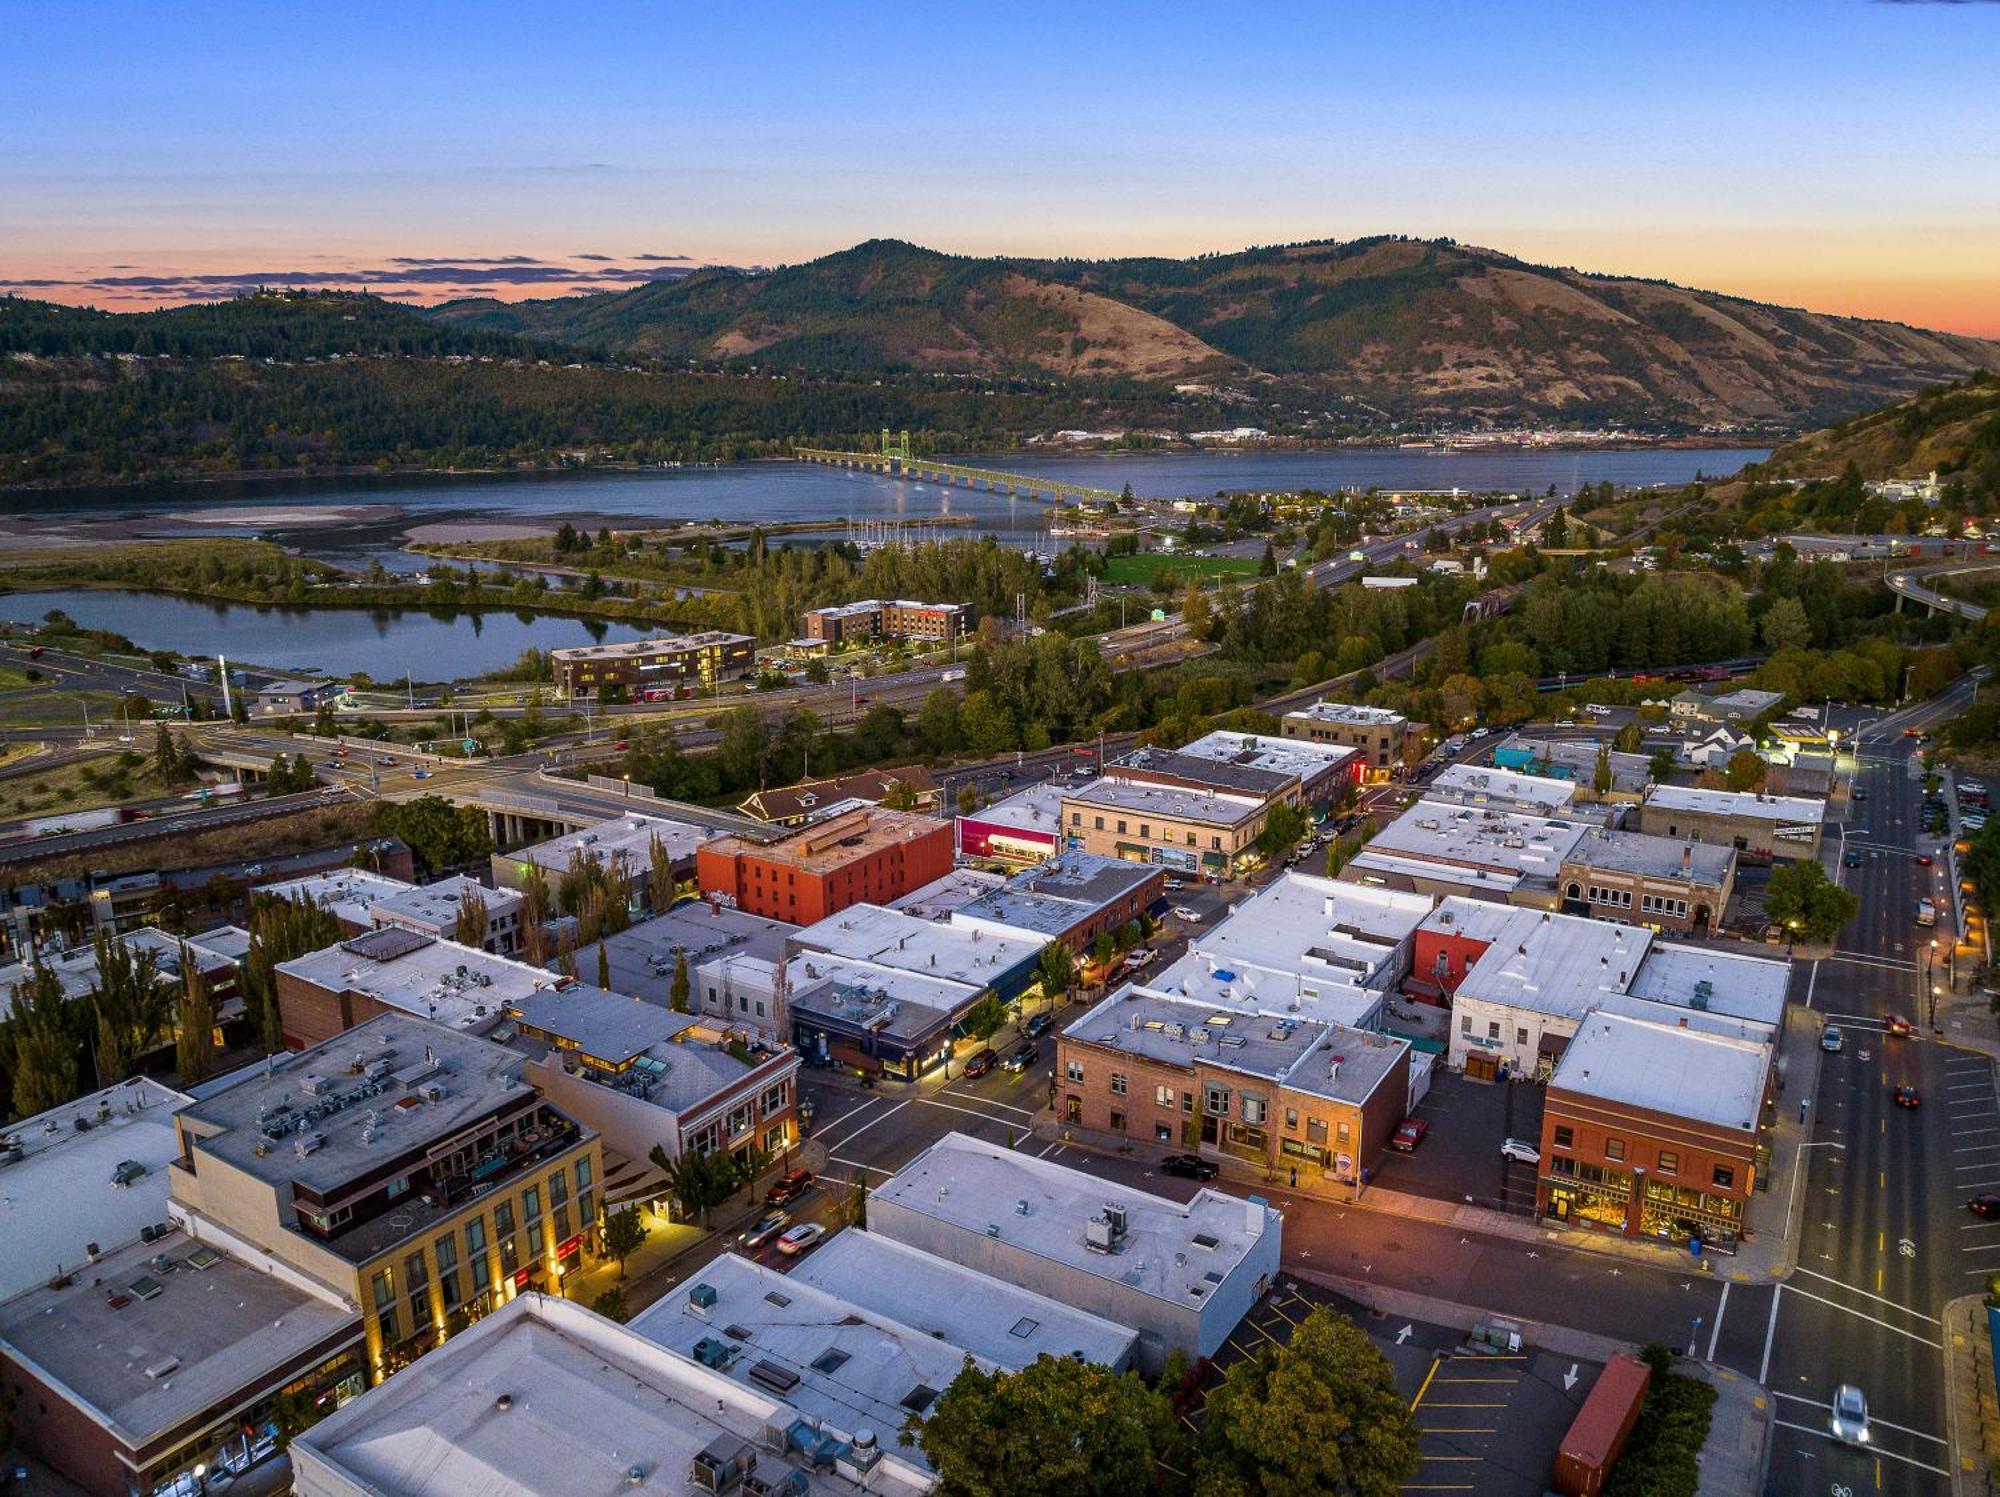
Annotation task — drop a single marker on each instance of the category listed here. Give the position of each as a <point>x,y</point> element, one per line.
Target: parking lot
<point>1460,1158</point>
<point>1490,1423</point>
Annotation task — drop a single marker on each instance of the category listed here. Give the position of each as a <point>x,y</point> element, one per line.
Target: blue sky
<point>1839,154</point>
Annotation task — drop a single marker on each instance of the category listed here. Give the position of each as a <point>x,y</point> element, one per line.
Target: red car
<point>1913,732</point>
<point>1906,1096</point>
<point>1410,1134</point>
<point>981,1062</point>
<point>1923,860</point>
<point>1897,1024</point>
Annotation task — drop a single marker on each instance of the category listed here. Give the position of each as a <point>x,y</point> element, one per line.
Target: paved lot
<point>1490,1424</point>
<point>1460,1159</point>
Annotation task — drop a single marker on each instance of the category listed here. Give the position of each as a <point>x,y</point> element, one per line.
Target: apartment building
<point>874,619</point>
<point>868,854</point>
<point>668,666</point>
<point>1378,733</point>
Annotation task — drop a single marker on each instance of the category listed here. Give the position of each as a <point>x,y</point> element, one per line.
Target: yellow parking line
<point>1436,1362</point>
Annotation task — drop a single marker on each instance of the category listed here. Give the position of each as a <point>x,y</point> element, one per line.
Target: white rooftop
<point>1649,856</point>
<point>61,1194</point>
<point>890,938</point>
<point>1506,845</point>
<point>1478,785</point>
<point>1171,1249</point>
<point>1349,714</point>
<point>938,898</point>
<point>1736,803</point>
<point>543,1398</point>
<point>1204,806</point>
<point>1305,945</point>
<point>625,841</point>
<point>1559,965</point>
<point>436,906</point>
<point>821,1354</point>
<point>1036,809</point>
<point>348,894</point>
<point>461,987</point>
<point>1682,1072</point>
<point>999,1322</point>
<point>1721,982</point>
<point>1292,756</point>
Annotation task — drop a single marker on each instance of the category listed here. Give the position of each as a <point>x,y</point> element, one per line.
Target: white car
<point>801,1237</point>
<point>1187,915</point>
<point>1848,1423</point>
<point>1520,1150</point>
<point>1136,960</point>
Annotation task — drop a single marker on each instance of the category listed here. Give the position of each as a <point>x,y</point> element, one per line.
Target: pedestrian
<point>1802,1108</point>
<point>1295,1177</point>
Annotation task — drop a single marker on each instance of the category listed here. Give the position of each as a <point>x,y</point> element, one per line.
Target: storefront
<point>1679,1213</point>
<point>1593,1197</point>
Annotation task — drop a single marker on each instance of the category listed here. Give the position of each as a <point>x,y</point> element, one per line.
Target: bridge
<point>1909,585</point>
<point>894,460</point>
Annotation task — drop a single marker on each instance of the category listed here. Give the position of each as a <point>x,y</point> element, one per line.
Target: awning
<point>1214,860</point>
<point>1552,1046</point>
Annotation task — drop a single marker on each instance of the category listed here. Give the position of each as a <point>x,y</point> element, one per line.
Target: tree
<point>967,798</point>
<point>937,721</point>
<point>1320,1414</point>
<point>194,1042</point>
<point>280,929</point>
<point>440,836</point>
<point>700,1182</point>
<point>603,965</point>
<point>1283,825</point>
<point>1786,626</point>
<point>1056,1428</point>
<point>984,1017</point>
<point>1660,768</point>
<point>624,1234</point>
<point>1629,739</point>
<point>1808,904</point>
<point>1267,564</point>
<point>660,881</point>
<point>1745,770</point>
<point>535,917</point>
<point>679,990</point>
<point>901,795</point>
<point>324,725</point>
<point>170,766</point>
<point>40,1044</point>
<point>1600,775</point>
<point>611,1305</point>
<point>1057,970</point>
<point>1196,611</point>
<point>470,928</point>
<point>131,1004</point>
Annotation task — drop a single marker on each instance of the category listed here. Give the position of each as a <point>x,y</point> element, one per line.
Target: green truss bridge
<point>894,461</point>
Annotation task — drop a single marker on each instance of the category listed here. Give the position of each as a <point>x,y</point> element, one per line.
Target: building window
<point>1217,1100</point>
<point>1465,1024</point>
<point>583,1173</point>
<point>531,1203</point>
<point>1343,1132</point>
<point>1614,1148</point>
<point>1118,1121</point>
<point>1073,1070</point>
<point>1163,1096</point>
<point>1187,1103</point>
<point>1565,1136</point>
<point>1493,1029</point>
<point>1315,1130</point>
<point>1291,1120</point>
<point>558,1190</point>
<point>1117,1083</point>
<point>1520,1034</point>
<point>1670,1162</point>
<point>1253,1109</point>
<point>1724,1177</point>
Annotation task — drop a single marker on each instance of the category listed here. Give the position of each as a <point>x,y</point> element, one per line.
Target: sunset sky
<point>1837,154</point>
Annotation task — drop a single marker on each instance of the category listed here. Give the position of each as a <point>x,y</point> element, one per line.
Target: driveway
<point>1460,1158</point>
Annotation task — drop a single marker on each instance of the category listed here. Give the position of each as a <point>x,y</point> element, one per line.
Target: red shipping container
<point>1584,1458</point>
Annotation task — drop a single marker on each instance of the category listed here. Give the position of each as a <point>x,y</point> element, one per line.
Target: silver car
<point>1848,1423</point>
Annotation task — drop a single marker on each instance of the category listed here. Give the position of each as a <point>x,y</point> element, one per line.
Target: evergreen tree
<point>131,1005</point>
<point>194,1044</point>
<point>41,1044</point>
<point>679,993</point>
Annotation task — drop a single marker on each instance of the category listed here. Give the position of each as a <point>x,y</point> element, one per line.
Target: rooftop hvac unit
<point>315,1085</point>
<point>1116,1216</point>
<point>309,1143</point>
<point>1098,1236</point>
<point>432,1091</point>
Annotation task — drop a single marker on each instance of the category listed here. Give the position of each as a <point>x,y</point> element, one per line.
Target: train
<point>1644,675</point>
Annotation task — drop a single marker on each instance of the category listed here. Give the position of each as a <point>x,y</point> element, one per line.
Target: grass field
<point>101,780</point>
<point>1141,570</point>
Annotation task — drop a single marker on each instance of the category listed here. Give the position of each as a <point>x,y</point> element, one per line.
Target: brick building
<point>1636,878</point>
<point>1764,827</point>
<point>869,855</point>
<point>873,619</point>
<point>641,665</point>
<point>1376,731</point>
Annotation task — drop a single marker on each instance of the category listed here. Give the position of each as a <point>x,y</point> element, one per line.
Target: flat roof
<point>1298,757</point>
<point>1303,944</point>
<point>1055,897</point>
<point>462,987</point>
<point>1630,773</point>
<point>1173,1252</point>
<point>666,643</point>
<point>319,1093</point>
<point>1512,843</point>
<point>1208,807</point>
<point>215,952</point>
<point>884,937</point>
<point>1682,1072</point>
<point>835,842</point>
<point>145,1346</point>
<point>1219,771</point>
<point>1036,809</point>
<point>1683,976</point>
<point>626,838</point>
<point>1478,784</point>
<point>1690,1018</point>
<point>677,1061</point>
<point>543,1398</point>
<point>937,899</point>
<point>1003,1323</point>
<point>346,893</point>
<point>1558,965</point>
<point>62,1193</point>
<point>1349,715</point>
<point>820,1354</point>
<point>438,904</point>
<point>1335,1061</point>
<point>1736,803</point>
<point>901,1005</point>
<point>1648,856</point>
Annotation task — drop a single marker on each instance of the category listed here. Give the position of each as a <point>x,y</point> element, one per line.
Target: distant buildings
<point>290,698</point>
<point>809,800</point>
<point>665,667</point>
<point>1741,706</point>
<point>818,870</point>
<point>622,847</point>
<point>874,619</point>
<point>1376,731</point>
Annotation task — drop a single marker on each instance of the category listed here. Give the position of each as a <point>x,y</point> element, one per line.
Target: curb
<point>1966,1394</point>
<point>1563,1341</point>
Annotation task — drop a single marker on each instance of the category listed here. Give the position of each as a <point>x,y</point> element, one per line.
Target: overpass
<point>1909,586</point>
<point>894,460</point>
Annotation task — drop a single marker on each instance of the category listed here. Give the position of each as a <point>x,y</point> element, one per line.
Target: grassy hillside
<point>1951,430</point>
<point>1423,329</point>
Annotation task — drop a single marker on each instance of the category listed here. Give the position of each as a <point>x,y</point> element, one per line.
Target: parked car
<point>1906,1096</point>
<point>1139,959</point>
<point>1037,1026</point>
<point>801,1237</point>
<point>1188,1167</point>
<point>1175,885</point>
<point>767,1227</point>
<point>1848,1423</point>
<point>1520,1151</point>
<point>1852,860</point>
<point>1831,1039</point>
<point>1409,1134</point>
<point>1020,1061</point>
<point>1984,1205</point>
<point>981,1061</point>
<point>1187,915</point>
<point>789,1188</point>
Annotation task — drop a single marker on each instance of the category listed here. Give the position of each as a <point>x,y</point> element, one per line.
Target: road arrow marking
<point>1404,1334</point>
<point>1569,1378</point>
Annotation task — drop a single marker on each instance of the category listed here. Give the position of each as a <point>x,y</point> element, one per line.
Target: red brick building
<point>867,856</point>
<point>1656,1129</point>
<point>888,618</point>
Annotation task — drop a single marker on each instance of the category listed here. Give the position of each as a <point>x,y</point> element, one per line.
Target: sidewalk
<point>1737,1453</point>
<point>1972,1412</point>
